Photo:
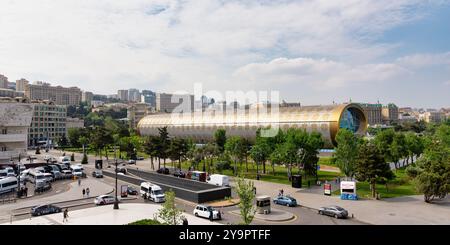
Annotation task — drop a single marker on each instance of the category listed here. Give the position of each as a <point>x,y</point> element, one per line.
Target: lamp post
<point>116,202</point>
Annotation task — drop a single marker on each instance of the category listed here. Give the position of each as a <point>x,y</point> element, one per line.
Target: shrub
<point>146,222</point>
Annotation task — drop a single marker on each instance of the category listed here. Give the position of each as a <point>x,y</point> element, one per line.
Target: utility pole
<point>116,202</point>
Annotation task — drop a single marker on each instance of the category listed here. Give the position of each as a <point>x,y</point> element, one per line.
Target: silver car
<point>334,211</point>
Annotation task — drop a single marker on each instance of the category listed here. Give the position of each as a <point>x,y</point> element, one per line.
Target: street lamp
<point>116,202</point>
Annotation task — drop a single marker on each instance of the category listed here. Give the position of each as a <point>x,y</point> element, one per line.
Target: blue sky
<point>314,52</point>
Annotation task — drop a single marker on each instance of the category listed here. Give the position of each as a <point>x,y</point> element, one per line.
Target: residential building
<point>15,119</point>
<point>48,124</point>
<point>174,102</point>
<point>136,112</point>
<point>100,97</point>
<point>122,94</point>
<point>149,97</point>
<point>432,116</point>
<point>407,118</point>
<point>134,95</point>
<point>12,86</point>
<point>389,114</point>
<point>58,94</point>
<point>73,122</point>
<point>4,92</point>
<point>373,111</point>
<point>21,84</point>
<point>3,81</point>
<point>97,103</point>
<point>87,97</point>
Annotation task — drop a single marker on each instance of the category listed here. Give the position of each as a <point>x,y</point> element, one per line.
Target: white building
<point>15,119</point>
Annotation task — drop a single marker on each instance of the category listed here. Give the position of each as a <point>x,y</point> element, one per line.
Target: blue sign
<point>346,196</point>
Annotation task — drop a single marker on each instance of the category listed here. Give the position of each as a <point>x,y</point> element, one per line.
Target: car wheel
<point>196,214</point>
<point>320,212</point>
<point>336,216</point>
<point>287,205</point>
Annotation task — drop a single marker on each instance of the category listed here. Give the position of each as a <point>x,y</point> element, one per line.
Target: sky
<point>313,52</point>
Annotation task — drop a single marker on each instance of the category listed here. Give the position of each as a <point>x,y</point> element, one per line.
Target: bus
<point>8,184</point>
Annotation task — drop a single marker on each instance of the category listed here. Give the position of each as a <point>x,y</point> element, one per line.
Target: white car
<point>105,199</point>
<point>205,212</point>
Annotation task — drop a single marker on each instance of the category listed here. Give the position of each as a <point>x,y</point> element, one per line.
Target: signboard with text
<point>327,189</point>
<point>124,190</point>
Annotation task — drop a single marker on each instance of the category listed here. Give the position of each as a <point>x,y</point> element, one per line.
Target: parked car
<point>179,173</point>
<point>67,174</point>
<point>285,201</point>
<point>131,161</point>
<point>97,173</point>
<point>104,199</point>
<point>205,212</point>
<point>334,211</point>
<point>132,191</point>
<point>163,171</point>
<point>140,158</point>
<point>44,209</point>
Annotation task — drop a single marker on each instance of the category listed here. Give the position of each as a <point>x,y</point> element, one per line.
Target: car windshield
<point>40,177</point>
<point>3,174</point>
<point>339,208</point>
<point>158,192</point>
<point>77,170</point>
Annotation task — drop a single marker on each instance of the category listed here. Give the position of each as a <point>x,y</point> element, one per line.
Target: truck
<point>152,192</point>
<point>218,179</point>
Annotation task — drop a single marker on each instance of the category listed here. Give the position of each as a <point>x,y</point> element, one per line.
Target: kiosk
<point>263,204</point>
<point>348,190</point>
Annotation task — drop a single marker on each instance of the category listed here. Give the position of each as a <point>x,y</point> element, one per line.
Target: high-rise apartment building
<point>48,124</point>
<point>15,119</point>
<point>87,97</point>
<point>174,102</point>
<point>134,95</point>
<point>390,114</point>
<point>149,97</point>
<point>3,81</point>
<point>122,94</point>
<point>21,84</point>
<point>58,94</point>
<point>374,113</point>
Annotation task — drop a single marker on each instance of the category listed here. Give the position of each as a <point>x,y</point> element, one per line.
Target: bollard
<point>352,216</point>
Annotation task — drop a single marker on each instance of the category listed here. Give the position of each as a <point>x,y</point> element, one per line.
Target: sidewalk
<point>409,210</point>
<point>106,215</point>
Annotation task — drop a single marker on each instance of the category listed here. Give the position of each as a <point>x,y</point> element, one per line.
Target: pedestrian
<point>66,215</point>
<point>87,192</point>
<point>79,181</point>
<point>185,221</point>
<point>282,192</point>
<point>211,215</point>
<point>84,192</point>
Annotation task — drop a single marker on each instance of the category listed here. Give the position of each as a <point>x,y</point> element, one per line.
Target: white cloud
<point>170,44</point>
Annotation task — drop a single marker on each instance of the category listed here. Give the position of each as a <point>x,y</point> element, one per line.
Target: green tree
<point>233,147</point>
<point>371,166</point>
<point>151,147</point>
<point>177,150</point>
<point>85,159</point>
<point>164,144</point>
<point>220,138</point>
<point>259,153</point>
<point>245,191</point>
<point>414,146</point>
<point>433,168</point>
<point>211,150</point>
<point>346,152</point>
<point>74,135</point>
<point>169,213</point>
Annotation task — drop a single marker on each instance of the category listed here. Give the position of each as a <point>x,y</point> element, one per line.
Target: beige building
<point>59,95</point>
<point>432,116</point>
<point>15,119</point>
<point>87,97</point>
<point>174,102</point>
<point>390,114</point>
<point>3,81</point>
<point>122,94</point>
<point>373,111</point>
<point>48,123</point>
<point>21,84</point>
<point>73,123</point>
<point>136,112</point>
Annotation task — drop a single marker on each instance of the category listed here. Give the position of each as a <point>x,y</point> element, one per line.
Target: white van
<point>64,160</point>
<point>76,170</point>
<point>3,173</point>
<point>152,192</point>
<point>218,179</point>
<point>35,177</point>
<point>8,184</point>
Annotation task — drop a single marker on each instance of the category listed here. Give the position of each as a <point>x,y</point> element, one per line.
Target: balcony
<point>9,138</point>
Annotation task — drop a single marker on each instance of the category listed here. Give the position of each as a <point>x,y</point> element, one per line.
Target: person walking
<point>185,221</point>
<point>84,192</point>
<point>282,192</point>
<point>211,215</point>
<point>79,181</point>
<point>87,192</point>
<point>66,215</point>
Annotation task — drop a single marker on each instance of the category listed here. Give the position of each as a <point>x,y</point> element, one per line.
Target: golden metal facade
<point>201,125</point>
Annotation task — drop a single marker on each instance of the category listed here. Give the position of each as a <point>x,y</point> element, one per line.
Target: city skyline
<point>361,50</point>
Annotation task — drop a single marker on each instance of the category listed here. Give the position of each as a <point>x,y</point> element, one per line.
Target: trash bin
<point>296,181</point>
<point>98,164</point>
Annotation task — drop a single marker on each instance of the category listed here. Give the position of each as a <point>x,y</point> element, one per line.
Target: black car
<point>44,209</point>
<point>163,171</point>
<point>131,191</point>
<point>180,174</point>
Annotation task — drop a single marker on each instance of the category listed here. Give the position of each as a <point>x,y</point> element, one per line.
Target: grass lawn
<point>400,186</point>
<point>145,222</point>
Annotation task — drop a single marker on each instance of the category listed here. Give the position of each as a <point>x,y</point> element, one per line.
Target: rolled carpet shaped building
<point>200,126</point>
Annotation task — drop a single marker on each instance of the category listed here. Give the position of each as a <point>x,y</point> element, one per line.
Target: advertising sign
<point>348,190</point>
<point>327,189</point>
<point>124,190</point>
